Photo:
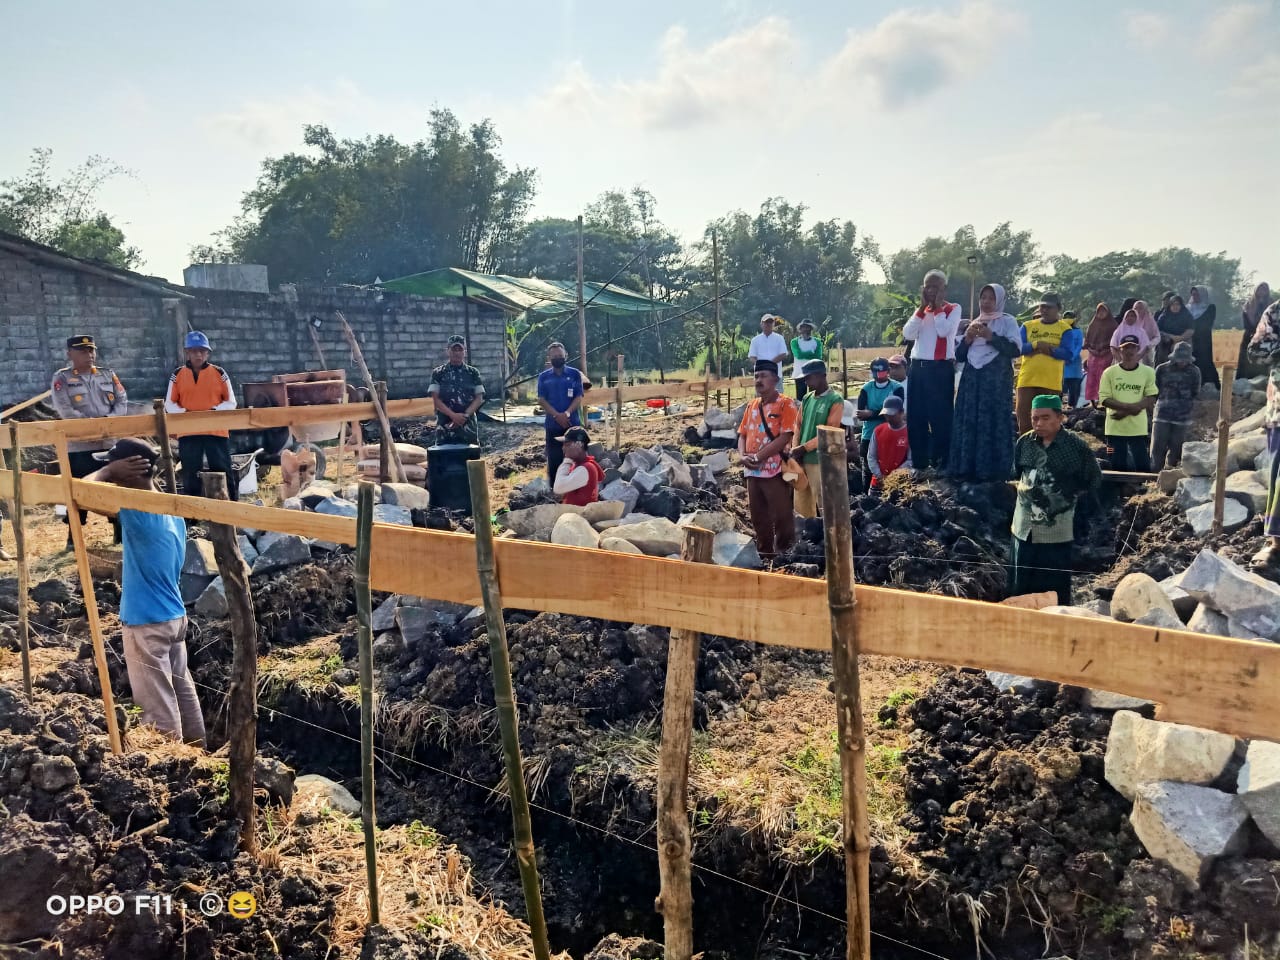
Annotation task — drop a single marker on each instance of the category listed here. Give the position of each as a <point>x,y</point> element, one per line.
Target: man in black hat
<point>458,391</point>
<point>82,390</point>
<point>152,616</point>
<point>770,422</point>
<point>822,406</point>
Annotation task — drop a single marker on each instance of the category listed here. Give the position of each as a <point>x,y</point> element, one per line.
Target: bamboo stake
<point>675,844</point>
<point>386,443</point>
<point>90,596</point>
<point>706,382</point>
<point>844,363</point>
<point>24,576</point>
<point>582,310</point>
<point>617,408</point>
<point>364,620</point>
<point>242,696</point>
<point>1224,439</point>
<point>315,342</point>
<point>379,402</point>
<point>166,454</point>
<point>504,698</point>
<point>844,648</point>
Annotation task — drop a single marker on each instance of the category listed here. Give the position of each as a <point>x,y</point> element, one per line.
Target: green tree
<point>1004,256</point>
<point>352,210</point>
<point>63,213</point>
<point>1113,277</point>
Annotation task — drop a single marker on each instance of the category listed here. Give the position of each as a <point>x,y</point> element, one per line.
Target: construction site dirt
<point>994,829</point>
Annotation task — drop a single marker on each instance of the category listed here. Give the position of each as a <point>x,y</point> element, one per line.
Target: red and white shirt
<point>934,332</point>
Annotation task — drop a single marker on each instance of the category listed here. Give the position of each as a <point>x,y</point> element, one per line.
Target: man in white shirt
<point>932,332</point>
<point>767,345</point>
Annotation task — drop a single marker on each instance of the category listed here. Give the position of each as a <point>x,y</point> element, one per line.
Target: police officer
<point>458,392</point>
<point>83,390</point>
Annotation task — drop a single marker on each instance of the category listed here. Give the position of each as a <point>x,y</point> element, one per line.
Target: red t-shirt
<point>891,449</point>
<point>590,492</point>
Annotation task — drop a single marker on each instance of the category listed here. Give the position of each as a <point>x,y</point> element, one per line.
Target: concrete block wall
<point>254,335</point>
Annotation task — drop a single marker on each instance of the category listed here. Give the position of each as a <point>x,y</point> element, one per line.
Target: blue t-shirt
<point>559,390</point>
<point>1073,340</point>
<point>155,546</point>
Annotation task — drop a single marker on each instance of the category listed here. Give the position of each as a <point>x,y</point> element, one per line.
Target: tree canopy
<point>1004,256</point>
<point>64,213</point>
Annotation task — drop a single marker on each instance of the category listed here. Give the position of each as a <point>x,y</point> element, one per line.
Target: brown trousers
<point>769,501</point>
<point>1022,408</point>
<point>155,655</point>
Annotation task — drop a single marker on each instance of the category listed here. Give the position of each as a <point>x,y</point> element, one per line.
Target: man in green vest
<point>823,406</point>
<point>804,348</point>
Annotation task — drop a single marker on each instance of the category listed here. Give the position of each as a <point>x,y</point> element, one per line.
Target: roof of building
<point>39,253</point>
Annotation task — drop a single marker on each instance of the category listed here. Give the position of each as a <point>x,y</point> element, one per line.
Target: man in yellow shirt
<point>1043,356</point>
<point>1127,391</point>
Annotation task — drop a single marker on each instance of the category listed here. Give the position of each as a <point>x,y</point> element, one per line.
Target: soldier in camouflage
<point>458,392</point>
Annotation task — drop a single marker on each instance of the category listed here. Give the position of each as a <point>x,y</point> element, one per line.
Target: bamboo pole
<point>706,383</point>
<point>379,400</point>
<point>90,596</point>
<point>582,310</point>
<point>504,698</point>
<point>242,696</point>
<point>24,574</point>
<point>386,444</point>
<point>844,648</point>
<point>617,408</point>
<point>364,620</point>
<point>315,342</point>
<point>844,363</point>
<point>675,844</point>
<point>29,402</point>
<point>1224,440</point>
<point>715,279</point>
<point>162,439</point>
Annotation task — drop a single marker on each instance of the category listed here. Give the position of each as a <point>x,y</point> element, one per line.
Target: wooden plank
<point>1124,476</point>
<point>1216,682</point>
<point>248,418</point>
<point>30,402</point>
<point>1032,601</point>
<point>37,488</point>
<point>692,388</point>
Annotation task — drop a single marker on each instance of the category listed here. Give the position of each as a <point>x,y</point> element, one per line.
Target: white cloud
<point>1234,28</point>
<point>277,123</point>
<point>912,53</point>
<point>1260,79</point>
<point>1148,30</point>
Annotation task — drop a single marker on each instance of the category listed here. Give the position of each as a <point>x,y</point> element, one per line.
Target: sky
<point>1096,124</point>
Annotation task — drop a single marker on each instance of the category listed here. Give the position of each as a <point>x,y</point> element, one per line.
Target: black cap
<point>813,366</point>
<point>127,447</point>
<point>1050,300</point>
<point>1130,339</point>
<point>768,366</point>
<point>457,341</point>
<point>576,435</point>
<point>81,342</point>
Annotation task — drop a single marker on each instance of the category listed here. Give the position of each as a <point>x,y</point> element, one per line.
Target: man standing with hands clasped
<point>768,426</point>
<point>560,392</point>
<point>1128,390</point>
<point>458,393</point>
<point>768,345</point>
<point>931,381</point>
<point>198,386</point>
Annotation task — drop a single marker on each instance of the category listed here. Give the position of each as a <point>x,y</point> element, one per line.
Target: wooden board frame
<point>1213,682</point>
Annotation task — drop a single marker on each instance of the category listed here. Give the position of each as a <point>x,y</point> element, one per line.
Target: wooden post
<point>706,383</point>
<point>504,698</point>
<point>675,845</point>
<point>715,279</point>
<point>844,648</point>
<point>844,363</point>
<point>162,440</point>
<point>1224,439</point>
<point>315,342</point>
<point>90,596</point>
<point>24,577</point>
<point>242,696</point>
<point>582,310</point>
<point>617,408</point>
<point>379,400</point>
<point>386,443</point>
<point>364,621</point>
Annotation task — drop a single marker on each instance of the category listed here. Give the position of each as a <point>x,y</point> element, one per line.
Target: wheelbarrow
<point>293,390</point>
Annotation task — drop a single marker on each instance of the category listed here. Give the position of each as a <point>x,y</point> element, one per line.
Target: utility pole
<point>973,280</point>
<point>715,271</point>
<point>582,310</point>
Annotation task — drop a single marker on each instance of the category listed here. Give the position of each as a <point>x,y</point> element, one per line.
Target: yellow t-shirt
<point>1039,369</point>
<point>1129,386</point>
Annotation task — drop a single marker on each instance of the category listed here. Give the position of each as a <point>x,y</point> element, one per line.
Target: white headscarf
<point>1000,323</point>
<point>1206,300</point>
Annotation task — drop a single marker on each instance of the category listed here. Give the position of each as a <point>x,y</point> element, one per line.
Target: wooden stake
<point>504,698</point>
<point>675,845</point>
<point>844,363</point>
<point>706,383</point>
<point>29,402</point>
<point>242,696</point>
<point>386,442</point>
<point>844,648</point>
<point>24,577</point>
<point>379,400</point>
<point>364,620</point>
<point>582,310</point>
<point>315,342</point>
<point>617,408</point>
<point>1224,439</point>
<point>166,453</point>
<point>90,596</point>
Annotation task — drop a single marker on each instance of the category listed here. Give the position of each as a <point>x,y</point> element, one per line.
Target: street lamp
<point>973,280</point>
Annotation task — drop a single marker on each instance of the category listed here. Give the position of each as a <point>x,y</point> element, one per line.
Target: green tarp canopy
<point>521,294</point>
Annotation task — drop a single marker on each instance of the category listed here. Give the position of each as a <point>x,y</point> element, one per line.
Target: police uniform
<point>79,396</point>
<point>455,386</point>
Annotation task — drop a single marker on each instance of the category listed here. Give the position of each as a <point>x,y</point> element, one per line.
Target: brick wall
<point>254,335</point>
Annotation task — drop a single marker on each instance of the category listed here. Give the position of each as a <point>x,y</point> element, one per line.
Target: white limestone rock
<point>1250,600</point>
<point>1145,751</point>
<point>1234,516</point>
<point>1137,595</point>
<point>1188,827</point>
<point>1258,786</point>
<point>572,530</point>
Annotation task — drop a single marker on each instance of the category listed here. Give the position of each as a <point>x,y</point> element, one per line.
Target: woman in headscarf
<point>1131,326</point>
<point>1097,340</point>
<point>982,425</point>
<point>1250,314</point>
<point>1152,329</point>
<point>1204,313</point>
<point>1264,349</point>
<point>1175,325</point>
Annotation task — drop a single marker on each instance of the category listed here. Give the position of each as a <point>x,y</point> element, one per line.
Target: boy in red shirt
<point>578,476</point>
<point>889,450</point>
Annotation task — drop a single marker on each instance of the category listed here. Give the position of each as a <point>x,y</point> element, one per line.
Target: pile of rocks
<point>393,502</point>
<point>263,552</point>
<point>646,501</point>
<point>1195,792</point>
<point>719,428</point>
<point>1248,472</point>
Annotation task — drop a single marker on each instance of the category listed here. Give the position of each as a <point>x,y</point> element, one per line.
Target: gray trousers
<point>156,657</point>
<point>1166,444</point>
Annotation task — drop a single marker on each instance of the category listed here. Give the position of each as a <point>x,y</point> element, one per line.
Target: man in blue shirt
<point>560,393</point>
<point>152,616</point>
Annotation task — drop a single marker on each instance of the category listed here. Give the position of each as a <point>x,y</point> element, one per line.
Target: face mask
<point>558,363</point>
<point>882,376</point>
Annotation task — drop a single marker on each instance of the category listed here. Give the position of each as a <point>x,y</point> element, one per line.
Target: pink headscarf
<point>1147,320</point>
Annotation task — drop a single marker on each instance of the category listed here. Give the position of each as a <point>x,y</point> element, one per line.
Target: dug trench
<point>993,824</point>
